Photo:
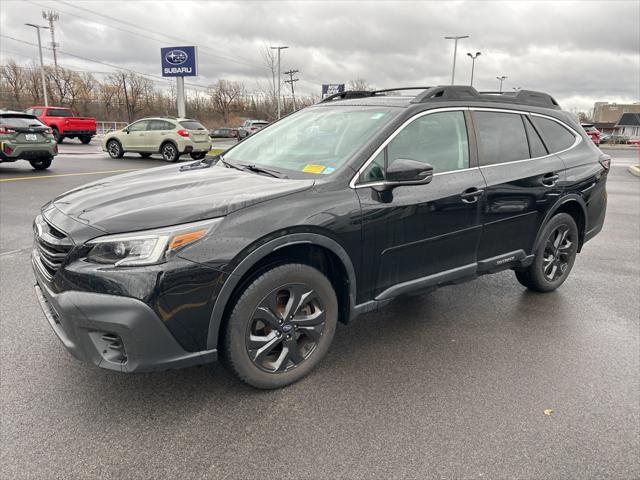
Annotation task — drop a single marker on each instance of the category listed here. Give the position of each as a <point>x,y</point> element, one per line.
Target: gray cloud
<point>580,52</point>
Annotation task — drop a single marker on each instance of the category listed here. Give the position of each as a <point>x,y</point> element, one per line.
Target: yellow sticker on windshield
<point>311,168</point>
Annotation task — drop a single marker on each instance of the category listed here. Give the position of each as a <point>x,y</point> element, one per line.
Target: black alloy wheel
<point>281,325</point>
<point>554,256</point>
<point>285,328</point>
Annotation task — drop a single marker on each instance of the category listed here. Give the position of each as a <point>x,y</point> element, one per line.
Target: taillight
<point>49,131</point>
<point>183,133</point>
<point>7,149</point>
<point>605,161</point>
<point>6,130</point>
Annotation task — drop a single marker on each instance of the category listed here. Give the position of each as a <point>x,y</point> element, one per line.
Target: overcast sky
<point>580,52</point>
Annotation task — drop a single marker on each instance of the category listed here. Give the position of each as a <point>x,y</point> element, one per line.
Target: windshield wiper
<point>228,164</point>
<point>272,173</point>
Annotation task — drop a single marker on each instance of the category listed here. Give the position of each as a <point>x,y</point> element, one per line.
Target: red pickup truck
<point>64,123</point>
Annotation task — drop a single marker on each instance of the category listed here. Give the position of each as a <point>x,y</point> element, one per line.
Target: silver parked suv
<point>171,137</point>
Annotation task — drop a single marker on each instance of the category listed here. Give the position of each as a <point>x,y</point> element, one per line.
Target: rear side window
<point>501,137</point>
<point>535,142</point>
<point>59,112</point>
<point>555,136</point>
<point>160,125</point>
<point>191,125</point>
<point>20,121</point>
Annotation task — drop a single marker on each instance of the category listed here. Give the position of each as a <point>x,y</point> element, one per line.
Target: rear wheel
<point>554,257</point>
<point>281,326</point>
<point>169,152</point>
<point>86,139</point>
<point>114,149</point>
<point>56,134</point>
<point>198,155</point>
<point>41,163</point>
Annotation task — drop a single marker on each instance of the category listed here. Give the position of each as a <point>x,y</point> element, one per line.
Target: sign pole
<point>182,111</point>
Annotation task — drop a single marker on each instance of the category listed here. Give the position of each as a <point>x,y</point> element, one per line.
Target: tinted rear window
<point>501,137</point>
<point>59,112</point>
<point>20,121</point>
<point>554,135</point>
<point>192,125</point>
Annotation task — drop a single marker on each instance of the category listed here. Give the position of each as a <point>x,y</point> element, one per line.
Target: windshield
<point>314,140</point>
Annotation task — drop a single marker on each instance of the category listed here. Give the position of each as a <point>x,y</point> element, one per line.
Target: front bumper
<point>113,332</point>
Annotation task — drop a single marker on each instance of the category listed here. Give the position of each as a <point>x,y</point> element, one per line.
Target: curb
<point>635,170</point>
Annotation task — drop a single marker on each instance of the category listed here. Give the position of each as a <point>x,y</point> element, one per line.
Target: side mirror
<point>407,172</point>
<point>125,130</point>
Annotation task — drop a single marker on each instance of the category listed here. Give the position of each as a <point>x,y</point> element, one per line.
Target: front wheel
<point>281,326</point>
<point>170,152</point>
<point>41,163</point>
<point>198,155</point>
<point>554,256</point>
<point>114,149</point>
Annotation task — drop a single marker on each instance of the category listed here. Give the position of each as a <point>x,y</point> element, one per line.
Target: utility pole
<point>473,63</point>
<point>44,84</point>
<point>126,96</point>
<point>501,79</point>
<point>51,17</point>
<point>455,53</point>
<point>279,79</point>
<point>291,81</point>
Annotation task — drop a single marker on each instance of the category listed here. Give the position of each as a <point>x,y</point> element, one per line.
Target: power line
<point>202,50</point>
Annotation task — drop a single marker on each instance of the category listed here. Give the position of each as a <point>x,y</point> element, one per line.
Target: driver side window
<point>439,139</point>
<point>138,126</point>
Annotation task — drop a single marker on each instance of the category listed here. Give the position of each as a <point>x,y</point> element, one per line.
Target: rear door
<point>523,182</point>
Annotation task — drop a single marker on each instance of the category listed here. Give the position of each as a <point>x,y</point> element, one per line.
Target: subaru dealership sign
<point>179,61</point>
<point>331,89</point>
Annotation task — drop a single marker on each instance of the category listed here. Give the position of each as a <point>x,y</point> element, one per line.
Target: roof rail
<point>459,93</point>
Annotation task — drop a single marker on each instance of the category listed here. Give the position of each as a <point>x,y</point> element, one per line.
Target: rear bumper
<point>73,133</point>
<point>113,332</point>
<point>11,151</point>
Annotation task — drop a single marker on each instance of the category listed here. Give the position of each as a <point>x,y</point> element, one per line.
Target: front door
<point>421,235</point>
<point>135,139</point>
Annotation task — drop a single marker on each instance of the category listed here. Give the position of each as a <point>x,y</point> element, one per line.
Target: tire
<point>145,155</point>
<point>198,155</point>
<point>554,257</point>
<point>86,139</point>
<point>41,164</point>
<point>114,148</point>
<point>169,152</point>
<point>56,134</point>
<point>263,350</point>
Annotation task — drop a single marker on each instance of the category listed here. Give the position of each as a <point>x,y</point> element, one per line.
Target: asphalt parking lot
<point>450,384</point>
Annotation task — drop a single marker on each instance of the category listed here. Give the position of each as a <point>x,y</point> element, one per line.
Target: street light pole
<point>501,79</point>
<point>44,85</point>
<point>473,63</point>
<point>455,53</point>
<point>279,79</point>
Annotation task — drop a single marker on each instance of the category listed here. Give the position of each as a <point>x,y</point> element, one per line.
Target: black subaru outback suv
<point>255,255</point>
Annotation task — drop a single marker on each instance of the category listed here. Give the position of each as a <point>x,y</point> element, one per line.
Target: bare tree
<point>358,84</point>
<point>13,76</point>
<point>223,96</point>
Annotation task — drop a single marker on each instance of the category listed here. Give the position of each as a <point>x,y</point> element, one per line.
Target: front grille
<point>52,246</point>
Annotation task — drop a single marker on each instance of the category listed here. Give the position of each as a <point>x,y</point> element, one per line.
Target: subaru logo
<point>176,57</point>
<point>286,328</point>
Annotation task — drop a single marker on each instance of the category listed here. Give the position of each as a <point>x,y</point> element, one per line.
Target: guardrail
<point>103,126</point>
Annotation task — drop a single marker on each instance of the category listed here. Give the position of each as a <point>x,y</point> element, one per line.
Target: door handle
<point>550,179</point>
<point>471,195</point>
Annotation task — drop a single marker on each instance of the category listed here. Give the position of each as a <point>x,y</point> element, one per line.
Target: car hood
<point>165,196</point>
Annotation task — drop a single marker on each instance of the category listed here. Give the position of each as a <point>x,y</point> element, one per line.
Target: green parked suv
<point>171,137</point>
<point>24,137</point>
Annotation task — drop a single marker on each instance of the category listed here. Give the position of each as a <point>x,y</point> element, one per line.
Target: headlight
<point>147,247</point>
